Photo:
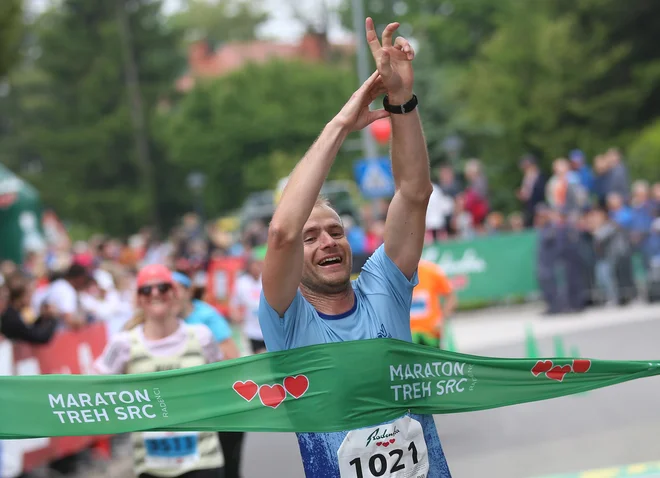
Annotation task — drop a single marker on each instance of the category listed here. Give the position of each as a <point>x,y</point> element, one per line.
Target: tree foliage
<point>11,28</point>
<point>218,21</point>
<point>247,130</point>
<point>71,111</point>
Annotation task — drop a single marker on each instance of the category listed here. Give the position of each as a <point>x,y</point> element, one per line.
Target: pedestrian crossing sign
<point>374,177</point>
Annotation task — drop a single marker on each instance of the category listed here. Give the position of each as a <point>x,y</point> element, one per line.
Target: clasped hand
<point>394,76</point>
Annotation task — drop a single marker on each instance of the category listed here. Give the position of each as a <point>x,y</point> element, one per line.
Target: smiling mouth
<point>330,261</point>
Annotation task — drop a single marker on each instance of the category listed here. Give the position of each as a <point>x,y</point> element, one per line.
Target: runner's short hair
<point>321,200</point>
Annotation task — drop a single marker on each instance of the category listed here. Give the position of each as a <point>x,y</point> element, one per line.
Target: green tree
<point>548,81</point>
<point>247,130</point>
<point>73,112</point>
<point>11,29</point>
<point>644,153</point>
<point>218,21</point>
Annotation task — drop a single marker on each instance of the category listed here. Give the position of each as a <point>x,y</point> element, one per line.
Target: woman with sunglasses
<point>154,341</point>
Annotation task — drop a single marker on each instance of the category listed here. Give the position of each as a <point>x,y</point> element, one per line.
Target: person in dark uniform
<point>547,254</point>
<point>574,285</point>
<point>532,189</point>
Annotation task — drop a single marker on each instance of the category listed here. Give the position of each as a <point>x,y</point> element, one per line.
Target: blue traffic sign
<point>374,177</point>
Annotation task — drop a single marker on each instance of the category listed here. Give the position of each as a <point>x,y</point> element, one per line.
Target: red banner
<point>221,276</point>
<point>68,353</point>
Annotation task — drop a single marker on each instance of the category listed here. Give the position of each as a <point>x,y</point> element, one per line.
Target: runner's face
<point>157,299</point>
<point>328,257</point>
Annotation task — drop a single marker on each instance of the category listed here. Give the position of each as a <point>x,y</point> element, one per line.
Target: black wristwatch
<point>400,109</point>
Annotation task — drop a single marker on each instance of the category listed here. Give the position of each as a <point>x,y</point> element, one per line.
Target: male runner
<point>308,297</point>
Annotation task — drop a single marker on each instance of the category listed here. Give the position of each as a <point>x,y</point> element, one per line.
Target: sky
<point>282,25</point>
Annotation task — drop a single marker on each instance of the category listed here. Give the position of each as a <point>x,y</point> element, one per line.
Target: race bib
<point>395,450</point>
<point>170,449</point>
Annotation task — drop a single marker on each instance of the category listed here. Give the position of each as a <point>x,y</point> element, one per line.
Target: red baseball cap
<point>154,273</point>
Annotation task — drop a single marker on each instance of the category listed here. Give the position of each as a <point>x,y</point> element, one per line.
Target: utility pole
<point>132,80</point>
<point>369,149</point>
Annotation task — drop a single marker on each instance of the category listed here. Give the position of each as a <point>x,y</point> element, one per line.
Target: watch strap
<point>407,107</point>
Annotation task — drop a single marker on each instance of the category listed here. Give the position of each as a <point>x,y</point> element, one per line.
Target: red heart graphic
<point>386,444</point>
<point>379,443</point>
<point>392,440</point>
<point>296,386</point>
<point>581,365</point>
<point>541,366</point>
<point>557,372</point>
<point>272,395</point>
<point>247,389</point>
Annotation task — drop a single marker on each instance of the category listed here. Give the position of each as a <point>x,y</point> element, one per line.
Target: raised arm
<point>406,218</point>
<point>284,256</point>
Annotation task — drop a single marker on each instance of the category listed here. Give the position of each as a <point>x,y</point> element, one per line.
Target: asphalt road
<point>609,427</point>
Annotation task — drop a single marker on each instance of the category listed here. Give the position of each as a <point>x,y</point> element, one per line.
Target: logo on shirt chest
<point>383,333</point>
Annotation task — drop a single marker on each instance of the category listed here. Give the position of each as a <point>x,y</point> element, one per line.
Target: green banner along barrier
<point>322,388</point>
<point>488,268</point>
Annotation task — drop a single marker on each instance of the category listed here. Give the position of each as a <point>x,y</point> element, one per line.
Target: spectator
<point>494,223</point>
<point>642,218</point>
<point>62,296</point>
<point>516,222</point>
<point>547,255</point>
<point>618,180</point>
<point>8,269</point>
<point>105,303</point>
<point>447,181</point>
<point>4,295</point>
<point>620,213</point>
<point>654,244</point>
<point>601,179</point>
<point>655,199</point>
<point>582,169</point>
<point>438,212</point>
<point>12,324</point>
<point>375,235</point>
<point>355,234</point>
<point>194,311</point>
<point>563,191</point>
<point>462,220</point>
<point>609,245</point>
<point>532,189</point>
<point>476,178</point>
<point>571,262</point>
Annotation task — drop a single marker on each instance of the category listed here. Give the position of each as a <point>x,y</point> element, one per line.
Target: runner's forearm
<point>410,160</point>
<point>305,182</point>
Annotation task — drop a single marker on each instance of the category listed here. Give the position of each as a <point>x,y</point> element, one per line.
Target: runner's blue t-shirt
<point>383,297</point>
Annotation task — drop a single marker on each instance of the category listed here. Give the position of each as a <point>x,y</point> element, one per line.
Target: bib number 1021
<point>380,464</point>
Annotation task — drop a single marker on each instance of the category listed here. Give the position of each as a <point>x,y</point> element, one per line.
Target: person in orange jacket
<point>427,312</point>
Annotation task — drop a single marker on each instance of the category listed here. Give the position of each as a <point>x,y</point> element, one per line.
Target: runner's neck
<point>159,329</point>
<point>330,304</point>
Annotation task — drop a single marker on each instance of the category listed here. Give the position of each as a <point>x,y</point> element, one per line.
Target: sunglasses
<point>161,288</point>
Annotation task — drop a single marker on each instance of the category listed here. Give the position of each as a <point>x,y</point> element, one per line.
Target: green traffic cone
<point>530,343</point>
<point>560,351</point>
<point>576,354</point>
<point>449,340</point>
